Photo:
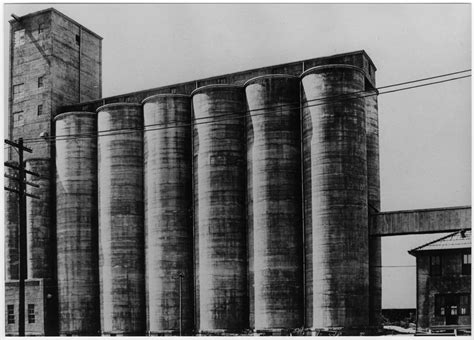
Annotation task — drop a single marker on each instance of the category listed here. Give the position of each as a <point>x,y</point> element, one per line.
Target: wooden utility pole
<point>22,183</point>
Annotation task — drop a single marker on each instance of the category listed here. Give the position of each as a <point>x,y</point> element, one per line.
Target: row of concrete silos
<point>192,218</point>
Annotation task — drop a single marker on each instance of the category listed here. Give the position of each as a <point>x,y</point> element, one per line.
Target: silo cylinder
<point>373,184</point>
<point>219,208</point>
<point>274,202</point>
<point>168,223</point>
<point>121,230</point>
<point>335,190</point>
<point>76,223</point>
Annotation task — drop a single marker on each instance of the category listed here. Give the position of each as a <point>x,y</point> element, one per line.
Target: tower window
<point>17,118</point>
<point>31,313</point>
<point>19,37</point>
<point>18,90</point>
<point>466,264</point>
<point>435,265</point>
<point>78,39</point>
<point>11,314</point>
<point>40,81</point>
<point>40,109</point>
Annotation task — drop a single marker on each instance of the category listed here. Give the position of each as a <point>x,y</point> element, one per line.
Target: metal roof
<point>458,240</point>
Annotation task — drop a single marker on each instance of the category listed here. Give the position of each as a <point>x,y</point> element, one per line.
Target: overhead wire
<point>243,114</point>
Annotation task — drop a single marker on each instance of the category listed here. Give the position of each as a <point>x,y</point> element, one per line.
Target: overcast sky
<point>425,134</point>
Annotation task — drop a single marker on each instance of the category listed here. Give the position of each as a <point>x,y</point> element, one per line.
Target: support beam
<point>423,221</point>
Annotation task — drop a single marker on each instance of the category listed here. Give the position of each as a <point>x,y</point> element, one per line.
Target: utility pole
<point>22,194</point>
<point>181,275</point>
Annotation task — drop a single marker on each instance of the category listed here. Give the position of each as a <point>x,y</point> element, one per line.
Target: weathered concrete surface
<point>168,224</point>
<point>373,185</point>
<point>121,230</point>
<point>335,189</point>
<point>12,215</point>
<point>421,221</point>
<point>39,217</point>
<point>76,220</point>
<point>71,72</point>
<point>219,209</point>
<point>274,202</point>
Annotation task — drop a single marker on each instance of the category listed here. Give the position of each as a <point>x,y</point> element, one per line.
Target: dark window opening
<point>17,118</point>
<point>18,89</point>
<point>40,109</point>
<point>31,313</point>
<point>464,304</point>
<point>452,304</point>
<point>466,264</point>
<point>435,265</point>
<point>41,81</point>
<point>11,314</point>
<point>78,39</point>
<point>173,90</point>
<point>40,28</point>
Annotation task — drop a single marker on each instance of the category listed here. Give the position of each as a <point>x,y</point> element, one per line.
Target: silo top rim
<point>72,113</point>
<point>165,95</point>
<point>329,66</point>
<point>215,86</point>
<point>108,106</point>
<point>251,80</point>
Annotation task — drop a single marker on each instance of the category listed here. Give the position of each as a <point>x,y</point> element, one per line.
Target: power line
<point>350,96</point>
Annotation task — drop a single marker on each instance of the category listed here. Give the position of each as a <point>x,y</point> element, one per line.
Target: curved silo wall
<point>39,219</point>
<point>121,230</point>
<point>335,190</point>
<point>219,208</point>
<point>12,214</point>
<point>168,224</point>
<point>373,184</point>
<point>76,220</point>
<point>274,201</point>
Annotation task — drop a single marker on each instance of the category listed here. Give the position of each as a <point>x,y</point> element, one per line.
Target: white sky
<point>425,134</point>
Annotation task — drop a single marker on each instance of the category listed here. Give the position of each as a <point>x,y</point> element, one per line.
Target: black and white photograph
<point>237,169</point>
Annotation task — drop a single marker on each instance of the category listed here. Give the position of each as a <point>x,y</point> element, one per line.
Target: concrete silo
<point>12,214</point>
<point>121,230</point>
<point>373,185</point>
<point>168,224</point>
<point>39,217</point>
<point>274,202</point>
<point>76,218</point>
<point>219,209</point>
<point>335,190</point>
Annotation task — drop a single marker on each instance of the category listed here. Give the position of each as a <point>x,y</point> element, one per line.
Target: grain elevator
<point>235,204</point>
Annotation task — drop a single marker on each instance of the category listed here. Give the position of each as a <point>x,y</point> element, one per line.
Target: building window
<point>454,310</point>
<point>439,305</point>
<point>464,304</point>
<point>466,264</point>
<point>11,314</point>
<point>18,90</point>
<point>435,265</point>
<point>41,81</point>
<point>40,109</point>
<point>19,37</point>
<point>78,39</point>
<point>40,28</point>
<point>31,313</point>
<point>17,118</point>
